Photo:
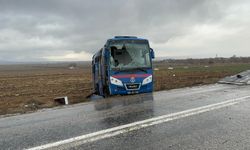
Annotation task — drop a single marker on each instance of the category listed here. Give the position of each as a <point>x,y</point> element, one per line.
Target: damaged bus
<point>123,66</point>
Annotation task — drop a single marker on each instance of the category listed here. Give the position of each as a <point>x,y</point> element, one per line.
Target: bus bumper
<point>122,90</point>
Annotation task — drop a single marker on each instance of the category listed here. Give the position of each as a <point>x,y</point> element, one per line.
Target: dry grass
<point>26,88</point>
<point>185,76</point>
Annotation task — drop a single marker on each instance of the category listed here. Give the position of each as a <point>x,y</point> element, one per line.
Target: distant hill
<point>208,61</point>
<point>43,62</point>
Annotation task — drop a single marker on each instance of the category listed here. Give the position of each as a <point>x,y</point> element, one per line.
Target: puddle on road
<point>101,103</point>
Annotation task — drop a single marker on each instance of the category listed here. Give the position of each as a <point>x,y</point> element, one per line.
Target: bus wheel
<point>106,92</point>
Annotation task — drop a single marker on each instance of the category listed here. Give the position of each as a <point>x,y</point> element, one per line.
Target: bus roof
<point>126,38</point>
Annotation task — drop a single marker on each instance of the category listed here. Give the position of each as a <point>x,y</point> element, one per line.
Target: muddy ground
<point>28,87</point>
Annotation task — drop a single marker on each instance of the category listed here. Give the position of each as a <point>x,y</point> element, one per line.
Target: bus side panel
<point>100,76</point>
<point>105,71</point>
<point>96,74</point>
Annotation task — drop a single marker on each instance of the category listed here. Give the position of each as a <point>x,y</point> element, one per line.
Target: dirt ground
<point>25,88</point>
<point>29,87</point>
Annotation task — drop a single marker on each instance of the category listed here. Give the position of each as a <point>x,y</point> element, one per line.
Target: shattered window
<point>129,54</point>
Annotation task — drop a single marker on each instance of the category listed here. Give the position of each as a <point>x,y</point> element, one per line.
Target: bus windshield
<point>129,54</point>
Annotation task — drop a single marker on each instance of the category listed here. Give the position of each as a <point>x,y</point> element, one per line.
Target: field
<point>25,88</point>
<point>190,75</point>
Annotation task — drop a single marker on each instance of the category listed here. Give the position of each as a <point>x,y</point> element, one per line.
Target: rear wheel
<point>97,90</point>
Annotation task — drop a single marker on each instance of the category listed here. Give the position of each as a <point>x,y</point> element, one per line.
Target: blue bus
<point>123,66</point>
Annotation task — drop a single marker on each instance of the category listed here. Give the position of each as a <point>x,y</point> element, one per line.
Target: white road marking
<point>91,137</point>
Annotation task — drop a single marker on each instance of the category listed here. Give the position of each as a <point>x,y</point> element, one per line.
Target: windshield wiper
<point>144,70</point>
<point>130,69</point>
<point>141,69</point>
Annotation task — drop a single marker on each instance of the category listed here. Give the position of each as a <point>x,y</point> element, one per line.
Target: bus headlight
<point>147,80</point>
<point>115,81</point>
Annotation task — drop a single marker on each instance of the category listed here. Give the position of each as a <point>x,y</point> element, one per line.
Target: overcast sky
<point>66,30</point>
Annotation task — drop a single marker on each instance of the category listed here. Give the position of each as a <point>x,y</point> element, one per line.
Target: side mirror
<point>152,53</point>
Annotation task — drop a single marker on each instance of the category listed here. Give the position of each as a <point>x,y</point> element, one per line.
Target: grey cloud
<point>57,26</point>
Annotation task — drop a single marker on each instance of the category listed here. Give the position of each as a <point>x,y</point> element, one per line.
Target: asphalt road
<point>205,117</point>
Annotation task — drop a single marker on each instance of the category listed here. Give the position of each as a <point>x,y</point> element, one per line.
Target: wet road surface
<point>225,127</point>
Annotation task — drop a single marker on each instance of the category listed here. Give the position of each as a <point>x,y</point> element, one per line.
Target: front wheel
<point>106,92</point>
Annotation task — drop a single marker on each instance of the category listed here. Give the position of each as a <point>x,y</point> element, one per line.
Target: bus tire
<point>106,91</point>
